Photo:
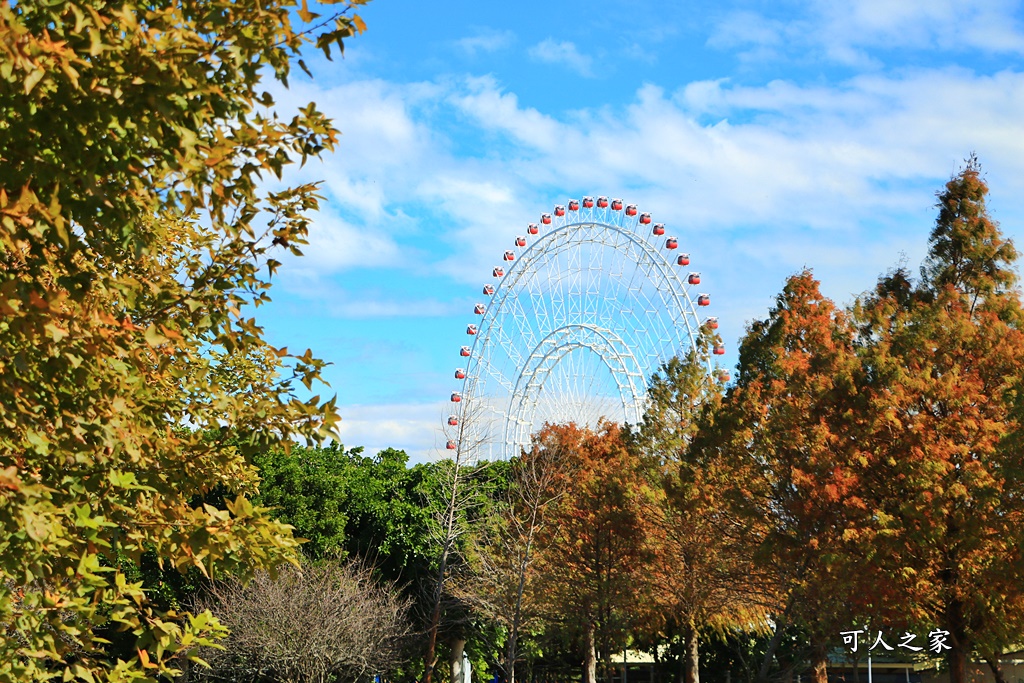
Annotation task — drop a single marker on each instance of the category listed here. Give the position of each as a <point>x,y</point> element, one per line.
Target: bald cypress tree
<point>942,362</point>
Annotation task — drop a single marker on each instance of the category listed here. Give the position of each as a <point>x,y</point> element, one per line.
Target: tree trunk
<point>691,654</point>
<point>819,662</point>
<point>458,647</point>
<point>517,614</point>
<point>590,656</point>
<point>997,670</point>
<point>681,666</point>
<point>957,664</point>
<point>430,659</point>
<point>956,624</point>
<point>447,544</point>
<point>773,645</point>
<point>510,651</point>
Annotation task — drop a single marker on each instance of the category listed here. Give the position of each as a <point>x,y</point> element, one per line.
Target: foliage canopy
<point>132,234</point>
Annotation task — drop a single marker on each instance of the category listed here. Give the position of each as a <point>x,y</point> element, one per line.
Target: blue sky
<point>768,135</point>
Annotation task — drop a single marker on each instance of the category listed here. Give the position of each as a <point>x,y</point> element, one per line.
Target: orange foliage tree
<point>783,444</point>
<point>590,553</point>
<point>943,360</point>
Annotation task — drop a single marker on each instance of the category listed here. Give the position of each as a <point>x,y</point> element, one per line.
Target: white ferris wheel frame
<point>505,325</point>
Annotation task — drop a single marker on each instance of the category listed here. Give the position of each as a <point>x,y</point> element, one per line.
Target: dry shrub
<point>327,622</point>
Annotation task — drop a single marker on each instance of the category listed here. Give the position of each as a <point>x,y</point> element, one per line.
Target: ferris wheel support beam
<point>550,351</point>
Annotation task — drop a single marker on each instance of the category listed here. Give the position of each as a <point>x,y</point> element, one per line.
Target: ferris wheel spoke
<point>576,326</point>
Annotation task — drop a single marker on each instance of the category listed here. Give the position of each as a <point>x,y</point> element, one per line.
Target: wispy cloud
<point>712,152</point>
<point>563,53</point>
<point>485,40</point>
<point>757,181</point>
<point>849,33</point>
<point>413,427</point>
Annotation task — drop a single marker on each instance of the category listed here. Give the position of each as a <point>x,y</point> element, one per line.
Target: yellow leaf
<point>56,333</point>
<point>153,337</point>
<point>144,658</point>
<point>32,79</point>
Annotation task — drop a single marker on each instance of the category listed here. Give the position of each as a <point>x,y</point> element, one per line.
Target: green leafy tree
<point>346,504</point>
<point>310,490</point>
<point>701,576</point>
<point>132,236</point>
<point>388,518</point>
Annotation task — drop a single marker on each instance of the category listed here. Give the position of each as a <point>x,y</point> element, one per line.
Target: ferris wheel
<point>577,316</point>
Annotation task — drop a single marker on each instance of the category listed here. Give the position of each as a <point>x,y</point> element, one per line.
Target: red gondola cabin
<point>694,279</point>
<point>616,205</point>
<point>588,202</point>
<point>723,376</point>
<point>559,210</point>
<point>456,397</point>
<point>453,422</point>
<point>602,202</point>
<point>470,329</point>
<point>520,241</point>
<point>704,300</point>
<point>574,205</point>
<point>479,309</point>
<point>488,290</point>
<point>498,272</point>
<point>683,260</point>
<point>631,209</point>
<point>510,256</point>
<point>464,352</point>
<point>719,350</point>
<point>658,230</point>
<point>460,373</point>
<point>545,218</point>
<point>451,445</point>
<point>645,219</point>
<point>533,229</point>
<point>712,323</point>
<point>671,243</point>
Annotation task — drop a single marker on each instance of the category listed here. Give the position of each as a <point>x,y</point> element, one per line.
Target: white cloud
<point>494,109</point>
<point>434,179</point>
<point>485,40</point>
<point>743,28</point>
<point>415,428</point>
<point>869,150</point>
<point>711,153</point>
<point>336,244</point>
<point>564,53</point>
<point>987,25</point>
<point>848,32</point>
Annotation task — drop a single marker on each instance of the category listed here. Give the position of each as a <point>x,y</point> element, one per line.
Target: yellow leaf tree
<point>133,235</point>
